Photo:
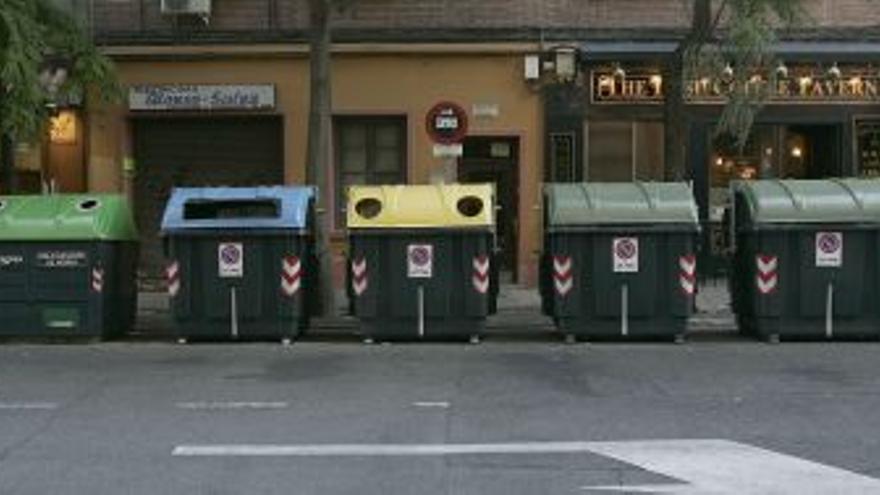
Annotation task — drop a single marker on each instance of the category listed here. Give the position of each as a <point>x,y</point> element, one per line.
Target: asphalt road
<point>119,418</point>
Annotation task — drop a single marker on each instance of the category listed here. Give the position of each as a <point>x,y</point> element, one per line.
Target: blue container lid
<point>242,208</point>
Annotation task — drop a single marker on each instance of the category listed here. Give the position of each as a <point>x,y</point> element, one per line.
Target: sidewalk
<point>519,313</point>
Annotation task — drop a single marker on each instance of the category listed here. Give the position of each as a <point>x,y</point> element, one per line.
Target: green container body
<point>67,266</point>
<point>271,288</point>
<point>387,303</point>
<point>448,295</point>
<point>580,287</point>
<point>203,307</point>
<point>778,286</point>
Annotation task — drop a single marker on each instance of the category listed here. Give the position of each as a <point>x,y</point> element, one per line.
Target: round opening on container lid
<point>88,204</point>
<point>470,206</point>
<point>368,208</point>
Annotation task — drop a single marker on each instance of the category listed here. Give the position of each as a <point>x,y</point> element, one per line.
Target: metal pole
<point>624,310</point>
<point>421,312</point>
<point>233,313</point>
<point>829,311</point>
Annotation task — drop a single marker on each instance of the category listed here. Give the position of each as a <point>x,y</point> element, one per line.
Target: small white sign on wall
<point>420,260</point>
<point>625,253</point>
<point>230,260</point>
<point>829,249</point>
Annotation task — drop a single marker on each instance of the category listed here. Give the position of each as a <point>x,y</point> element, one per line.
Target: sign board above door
<point>171,97</point>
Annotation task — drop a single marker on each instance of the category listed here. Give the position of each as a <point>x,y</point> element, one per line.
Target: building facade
<point>216,93</point>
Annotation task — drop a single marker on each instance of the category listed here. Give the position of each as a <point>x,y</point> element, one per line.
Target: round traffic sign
<point>626,249</point>
<point>420,256</point>
<point>829,243</point>
<point>446,123</point>
<point>230,254</point>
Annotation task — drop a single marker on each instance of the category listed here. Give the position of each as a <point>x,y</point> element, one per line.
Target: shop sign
<point>201,97</point>
<point>10,260</point>
<point>647,88</point>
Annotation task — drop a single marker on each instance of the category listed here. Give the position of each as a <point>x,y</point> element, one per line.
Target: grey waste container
<point>619,259</point>
<point>67,266</point>
<point>241,261</point>
<point>805,262</point>
<point>421,260</point>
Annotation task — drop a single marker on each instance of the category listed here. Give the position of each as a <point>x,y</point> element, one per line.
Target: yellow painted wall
<point>363,84</point>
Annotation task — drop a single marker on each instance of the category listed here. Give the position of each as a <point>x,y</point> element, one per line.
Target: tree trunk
<point>318,147</point>
<point>7,165</point>
<point>675,111</point>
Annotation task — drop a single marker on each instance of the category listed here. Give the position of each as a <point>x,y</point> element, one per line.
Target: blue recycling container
<point>240,261</point>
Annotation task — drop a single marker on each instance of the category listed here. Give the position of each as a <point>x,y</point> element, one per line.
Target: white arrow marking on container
<point>723,467</point>
<point>767,264</point>
<point>359,276</point>
<point>172,274</point>
<point>480,278</point>
<point>291,268</point>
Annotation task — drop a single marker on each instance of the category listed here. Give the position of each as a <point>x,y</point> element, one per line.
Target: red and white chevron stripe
<point>359,279</point>
<point>291,275</point>
<point>563,275</point>
<point>687,277</point>
<point>98,279</point>
<point>768,278</point>
<point>480,278</point>
<point>172,277</point>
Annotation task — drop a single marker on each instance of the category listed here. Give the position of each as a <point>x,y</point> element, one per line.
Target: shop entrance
<point>495,160</point>
<point>197,152</point>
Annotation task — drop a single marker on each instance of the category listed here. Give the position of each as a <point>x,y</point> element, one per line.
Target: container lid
<point>66,217</point>
<point>237,208</point>
<point>629,203</point>
<point>424,206</point>
<point>811,201</point>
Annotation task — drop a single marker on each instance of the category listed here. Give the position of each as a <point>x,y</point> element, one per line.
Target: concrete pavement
<point>107,418</point>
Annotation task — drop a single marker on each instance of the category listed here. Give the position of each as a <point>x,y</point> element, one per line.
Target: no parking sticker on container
<point>625,251</point>
<point>230,260</point>
<point>829,249</point>
<point>420,260</point>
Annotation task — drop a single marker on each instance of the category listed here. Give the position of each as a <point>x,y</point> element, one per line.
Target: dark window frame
<point>371,124</point>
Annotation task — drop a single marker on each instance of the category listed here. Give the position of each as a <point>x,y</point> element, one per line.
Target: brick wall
<point>257,15</point>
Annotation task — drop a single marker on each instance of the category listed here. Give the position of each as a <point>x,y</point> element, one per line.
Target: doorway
<point>495,160</point>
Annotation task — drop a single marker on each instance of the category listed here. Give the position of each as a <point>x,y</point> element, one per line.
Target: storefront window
<point>623,151</point>
<point>369,150</point>
<point>868,147</point>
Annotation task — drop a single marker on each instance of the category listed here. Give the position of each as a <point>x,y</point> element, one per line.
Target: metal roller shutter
<point>197,151</point>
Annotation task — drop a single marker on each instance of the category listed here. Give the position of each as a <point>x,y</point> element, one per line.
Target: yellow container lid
<point>421,206</point>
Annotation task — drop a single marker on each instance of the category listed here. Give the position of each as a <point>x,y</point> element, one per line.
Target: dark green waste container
<point>241,261</point>
<point>619,259</point>
<point>67,266</point>
<point>806,258</point>
<point>421,260</point>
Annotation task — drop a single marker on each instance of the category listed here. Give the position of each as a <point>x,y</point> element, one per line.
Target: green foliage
<point>742,37</point>
<point>31,33</point>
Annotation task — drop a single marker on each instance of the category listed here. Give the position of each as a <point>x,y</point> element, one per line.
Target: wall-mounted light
<point>835,71</point>
<point>565,58</point>
<point>797,152</point>
<point>782,70</point>
<point>62,128</point>
<point>727,71</point>
<point>618,71</point>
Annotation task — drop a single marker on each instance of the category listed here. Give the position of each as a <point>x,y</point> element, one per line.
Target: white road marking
<point>27,406</point>
<point>429,404</point>
<point>723,467</point>
<point>704,467</point>
<point>231,405</point>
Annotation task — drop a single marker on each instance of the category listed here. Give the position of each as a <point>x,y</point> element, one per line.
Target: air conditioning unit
<point>186,7</point>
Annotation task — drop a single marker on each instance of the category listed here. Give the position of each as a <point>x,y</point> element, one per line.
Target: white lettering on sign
<point>201,97</point>
<point>10,260</point>
<point>230,260</point>
<point>625,253</point>
<point>61,259</point>
<point>420,260</point>
<point>829,249</point>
